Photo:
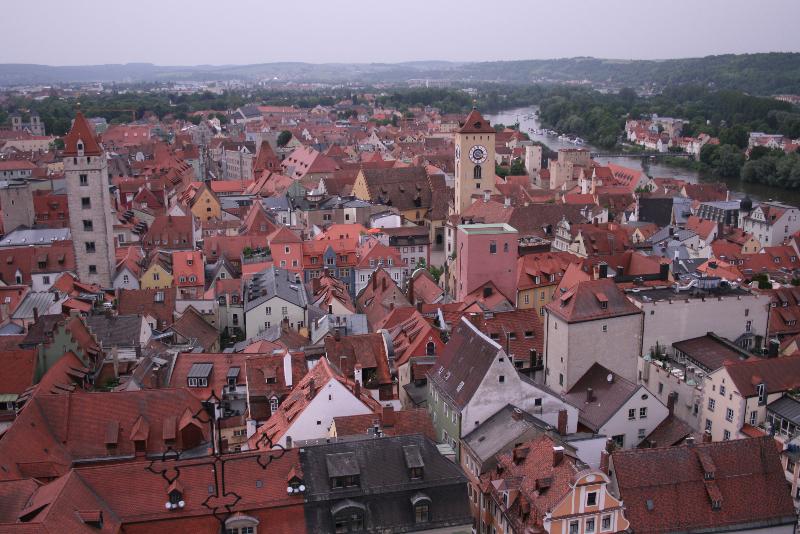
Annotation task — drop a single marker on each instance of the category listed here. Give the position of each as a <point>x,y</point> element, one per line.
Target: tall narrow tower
<point>91,215</point>
<point>474,169</point>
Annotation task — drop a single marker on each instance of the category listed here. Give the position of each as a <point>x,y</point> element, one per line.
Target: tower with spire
<point>91,213</point>
<point>474,160</point>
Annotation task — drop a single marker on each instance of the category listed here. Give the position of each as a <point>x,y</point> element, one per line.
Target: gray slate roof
<point>27,236</point>
<point>274,282</point>
<point>116,330</point>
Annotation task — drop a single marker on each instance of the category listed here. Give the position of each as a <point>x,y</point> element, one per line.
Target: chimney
<point>604,455</point>
<point>388,417</point>
<point>690,441</point>
<point>603,270</point>
<point>663,271</point>
<point>620,271</point>
<point>411,291</point>
<point>671,398</point>
<point>287,369</point>
<point>558,455</point>
<point>315,284</point>
<point>337,335</point>
<point>516,414</point>
<point>706,437</point>
<point>507,202</point>
<point>561,426</point>
<point>357,389</point>
<point>383,284</point>
<point>374,282</point>
<point>35,314</point>
<point>288,442</point>
<point>486,196</point>
<point>671,230</point>
<point>589,395</point>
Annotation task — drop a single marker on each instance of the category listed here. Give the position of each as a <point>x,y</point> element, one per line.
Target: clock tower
<point>474,168</point>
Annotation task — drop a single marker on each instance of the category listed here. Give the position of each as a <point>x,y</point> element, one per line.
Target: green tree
<point>284,137</point>
<point>728,161</point>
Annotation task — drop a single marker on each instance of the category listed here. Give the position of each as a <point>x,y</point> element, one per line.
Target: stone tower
<point>474,165</point>
<point>91,214</point>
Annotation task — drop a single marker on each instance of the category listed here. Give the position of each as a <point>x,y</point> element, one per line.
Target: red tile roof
<point>391,423</point>
<point>777,374</point>
<point>81,131</point>
<point>475,123</point>
<point>671,489</point>
<point>591,300</point>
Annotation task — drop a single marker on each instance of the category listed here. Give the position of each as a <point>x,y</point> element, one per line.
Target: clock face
<point>478,154</point>
<point>458,151</point>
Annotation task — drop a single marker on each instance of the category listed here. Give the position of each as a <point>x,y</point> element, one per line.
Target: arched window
<point>348,516</point>
<point>422,507</point>
<point>476,172</point>
<point>430,348</point>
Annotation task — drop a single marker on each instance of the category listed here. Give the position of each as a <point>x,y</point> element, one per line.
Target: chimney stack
<point>706,437</point>
<point>516,414</point>
<point>374,282</point>
<point>411,290</point>
<point>589,395</point>
<point>604,455</point>
<point>690,441</point>
<point>558,455</point>
<point>288,442</point>
<point>671,398</point>
<point>561,426</point>
<point>388,417</point>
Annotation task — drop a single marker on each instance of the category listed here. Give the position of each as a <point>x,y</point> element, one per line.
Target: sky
<point>194,32</point>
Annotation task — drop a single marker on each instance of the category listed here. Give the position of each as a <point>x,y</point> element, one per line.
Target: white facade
<point>125,279</point>
<point>314,422</point>
<point>772,232</point>
<point>684,317</point>
<point>572,348</point>
<point>648,412</point>
<point>270,313</point>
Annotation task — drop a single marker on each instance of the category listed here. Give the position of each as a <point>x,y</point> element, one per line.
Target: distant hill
<point>770,73</point>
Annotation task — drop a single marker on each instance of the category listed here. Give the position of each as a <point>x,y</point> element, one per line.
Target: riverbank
<point>680,170</point>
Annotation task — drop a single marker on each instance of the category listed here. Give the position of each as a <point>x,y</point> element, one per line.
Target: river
<point>528,120</point>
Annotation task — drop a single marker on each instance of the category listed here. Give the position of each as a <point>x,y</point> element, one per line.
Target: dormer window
<point>175,495</point>
<point>343,470</point>
<point>80,148</point>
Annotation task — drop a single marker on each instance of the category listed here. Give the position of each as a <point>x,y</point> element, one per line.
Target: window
<point>762,397</point>
<point>708,425</point>
<point>268,310</point>
<point>476,172</point>
<point>93,269</point>
<point>86,203</point>
<point>591,498</point>
<point>502,379</point>
<point>87,225</point>
<point>156,276</point>
<point>748,326</point>
<point>349,520</point>
<point>273,405</point>
<point>729,415</point>
<point>284,311</point>
<point>589,526</point>
<point>492,247</point>
<point>726,435</point>
<point>560,379</point>
<point>421,512</point>
<point>790,465</point>
<point>722,391</point>
<point>711,404</point>
<point>45,280</point>
<point>631,414</point>
<point>605,328</point>
<point>660,388</point>
<point>125,278</point>
<point>605,522</point>
<point>505,247</point>
<point>526,298</point>
<point>619,440</point>
<point>753,417</point>
<point>643,413</point>
<point>642,433</point>
<point>574,527</point>
<point>83,179</point>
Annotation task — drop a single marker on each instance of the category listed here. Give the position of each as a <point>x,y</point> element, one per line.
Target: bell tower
<point>474,160</point>
<point>91,213</point>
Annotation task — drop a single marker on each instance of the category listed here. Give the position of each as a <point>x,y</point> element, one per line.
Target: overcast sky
<point>191,32</point>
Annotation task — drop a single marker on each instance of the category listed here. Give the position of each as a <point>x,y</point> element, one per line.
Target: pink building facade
<point>486,253</point>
